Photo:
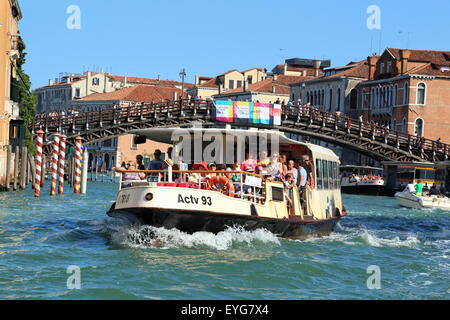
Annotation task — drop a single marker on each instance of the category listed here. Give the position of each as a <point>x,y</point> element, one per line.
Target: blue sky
<point>147,38</point>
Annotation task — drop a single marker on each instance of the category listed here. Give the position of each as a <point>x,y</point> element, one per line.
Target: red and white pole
<point>77,164</point>
<point>62,159</point>
<point>37,181</point>
<point>55,164</point>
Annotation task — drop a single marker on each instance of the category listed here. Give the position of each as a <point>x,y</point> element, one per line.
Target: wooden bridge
<point>375,142</point>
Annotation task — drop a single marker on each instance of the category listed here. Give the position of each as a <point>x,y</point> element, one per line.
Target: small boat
<point>362,180</point>
<point>409,200</point>
<point>187,201</point>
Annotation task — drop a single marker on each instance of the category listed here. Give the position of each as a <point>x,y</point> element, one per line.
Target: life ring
<point>222,180</point>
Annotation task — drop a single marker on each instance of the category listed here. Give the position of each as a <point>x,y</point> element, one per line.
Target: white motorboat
<point>409,200</point>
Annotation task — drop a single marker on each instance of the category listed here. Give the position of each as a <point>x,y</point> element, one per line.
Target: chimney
<point>404,57</point>
<point>317,64</point>
<point>274,89</point>
<point>372,63</point>
<point>88,82</point>
<point>174,95</point>
<point>50,82</point>
<point>125,81</point>
<point>285,68</point>
<point>159,78</point>
<point>68,79</point>
<point>275,77</point>
<point>197,81</point>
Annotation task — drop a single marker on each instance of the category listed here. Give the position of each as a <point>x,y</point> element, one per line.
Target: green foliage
<point>27,100</point>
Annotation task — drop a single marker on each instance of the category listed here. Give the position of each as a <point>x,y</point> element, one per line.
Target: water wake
<point>148,236</point>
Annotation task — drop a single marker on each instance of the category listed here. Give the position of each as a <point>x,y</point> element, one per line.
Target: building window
<point>382,68</point>
<point>231,84</point>
<point>95,81</point>
<point>331,99</point>
<point>238,84</point>
<point>394,124</point>
<point>388,66</point>
<point>406,94</point>
<point>404,126</point>
<point>418,127</point>
<point>395,93</point>
<point>77,92</point>
<point>354,98</point>
<point>421,90</point>
<point>338,102</point>
<point>249,79</point>
<point>133,146</point>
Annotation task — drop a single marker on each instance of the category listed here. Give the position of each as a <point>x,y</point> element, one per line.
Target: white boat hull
<point>412,201</point>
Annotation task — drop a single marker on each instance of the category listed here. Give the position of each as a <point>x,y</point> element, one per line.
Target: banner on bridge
<point>245,112</point>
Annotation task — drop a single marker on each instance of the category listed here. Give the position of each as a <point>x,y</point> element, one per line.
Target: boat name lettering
<point>124,198</point>
<point>194,200</point>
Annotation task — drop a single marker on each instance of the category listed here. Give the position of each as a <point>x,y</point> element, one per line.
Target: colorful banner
<point>276,114</point>
<point>241,111</point>
<point>248,112</point>
<point>224,111</point>
<point>264,113</point>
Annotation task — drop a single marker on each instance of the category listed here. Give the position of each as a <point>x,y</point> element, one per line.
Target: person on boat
<point>283,161</point>
<point>212,167</point>
<point>156,164</point>
<point>201,178</point>
<point>265,160</point>
<point>309,171</point>
<point>249,162</point>
<point>434,191</point>
<point>140,163</point>
<point>275,169</point>
<point>411,188</point>
<point>419,188</point>
<point>291,169</point>
<point>289,183</point>
<point>130,176</point>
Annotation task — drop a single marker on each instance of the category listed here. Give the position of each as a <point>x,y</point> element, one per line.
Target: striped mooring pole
<point>76,187</point>
<point>62,159</point>
<point>37,181</point>
<point>55,163</point>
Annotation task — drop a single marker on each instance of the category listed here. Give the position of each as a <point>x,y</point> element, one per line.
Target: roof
<point>281,85</point>
<point>63,83</point>
<point>140,93</point>
<point>165,135</point>
<point>210,83</point>
<point>441,58</point>
<point>149,81</point>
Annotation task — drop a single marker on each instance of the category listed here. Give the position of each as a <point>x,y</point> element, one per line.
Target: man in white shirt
<point>411,188</point>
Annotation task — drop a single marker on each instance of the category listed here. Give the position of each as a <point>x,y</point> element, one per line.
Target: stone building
<point>409,90</point>
<point>10,14</point>
<point>122,148</point>
<point>59,95</point>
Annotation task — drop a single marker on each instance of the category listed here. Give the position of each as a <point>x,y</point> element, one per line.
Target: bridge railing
<point>203,108</point>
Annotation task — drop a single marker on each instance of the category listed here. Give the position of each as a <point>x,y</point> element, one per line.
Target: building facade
<point>59,95</point>
<point>409,90</point>
<point>122,148</point>
<point>10,14</point>
<point>206,87</point>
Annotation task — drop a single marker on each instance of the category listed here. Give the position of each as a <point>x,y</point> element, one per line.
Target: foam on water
<point>145,236</point>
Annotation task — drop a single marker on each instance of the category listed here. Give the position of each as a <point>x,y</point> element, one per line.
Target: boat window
<point>325,174</point>
<point>335,175</point>
<point>330,175</point>
<point>277,194</point>
<point>319,173</point>
<point>424,174</point>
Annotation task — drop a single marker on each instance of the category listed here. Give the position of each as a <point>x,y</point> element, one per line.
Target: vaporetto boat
<point>184,199</point>
<point>362,180</point>
<point>409,200</point>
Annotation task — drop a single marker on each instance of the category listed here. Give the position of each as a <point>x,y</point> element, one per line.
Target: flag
<point>264,113</point>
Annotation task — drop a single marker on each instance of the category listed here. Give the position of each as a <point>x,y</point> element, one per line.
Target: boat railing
<point>247,188</point>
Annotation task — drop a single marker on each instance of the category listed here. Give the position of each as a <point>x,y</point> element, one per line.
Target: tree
<point>27,100</point>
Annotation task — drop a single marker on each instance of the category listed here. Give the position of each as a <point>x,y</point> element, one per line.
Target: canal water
<point>379,251</point>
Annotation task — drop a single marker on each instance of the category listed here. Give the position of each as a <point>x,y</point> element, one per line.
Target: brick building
<point>409,90</point>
